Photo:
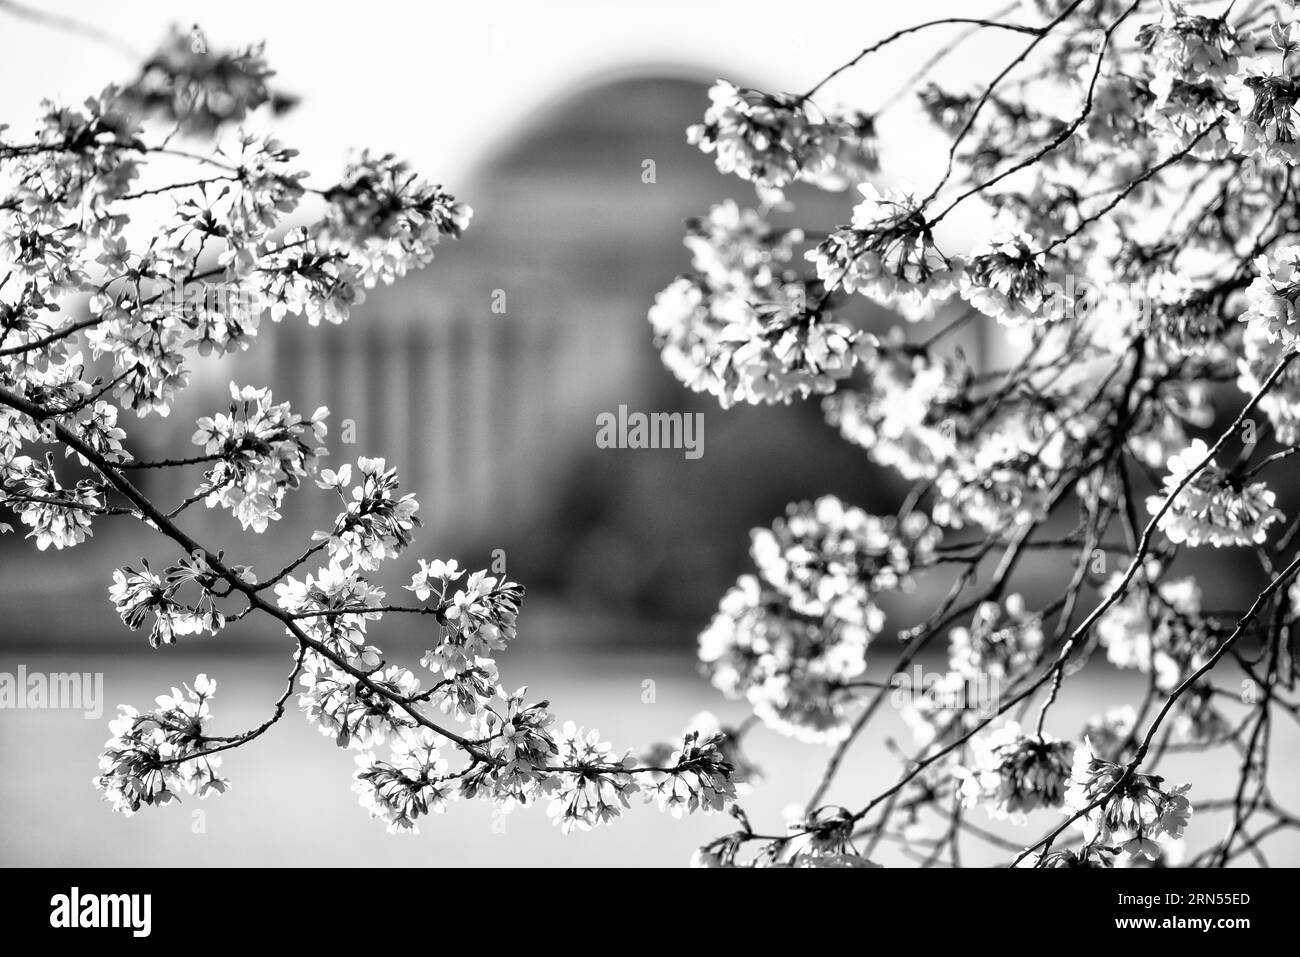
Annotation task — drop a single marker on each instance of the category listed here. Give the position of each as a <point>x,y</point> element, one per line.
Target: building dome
<point>519,335</point>
<point>481,377</point>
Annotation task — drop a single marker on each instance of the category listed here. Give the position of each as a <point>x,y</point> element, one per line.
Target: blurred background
<point>541,117</point>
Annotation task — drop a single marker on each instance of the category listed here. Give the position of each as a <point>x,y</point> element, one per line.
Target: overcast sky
<point>442,83</point>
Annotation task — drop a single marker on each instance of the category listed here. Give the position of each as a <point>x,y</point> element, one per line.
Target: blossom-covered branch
<point>1134,161</point>
<point>101,315</point>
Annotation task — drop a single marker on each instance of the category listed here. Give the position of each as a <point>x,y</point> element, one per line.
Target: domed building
<point>481,378</point>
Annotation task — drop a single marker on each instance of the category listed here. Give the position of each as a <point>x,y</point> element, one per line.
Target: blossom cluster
<point>388,219</point>
<point>262,451</point>
<point>138,594</point>
<point>908,409</point>
<point>156,755</point>
<point>888,253</point>
<point>1002,640</point>
<point>1135,814</point>
<point>793,637</point>
<point>1013,773</point>
<point>744,327</point>
<point>1211,506</point>
<point>993,462</point>
<point>774,140</point>
<point>1157,629</point>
